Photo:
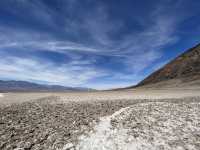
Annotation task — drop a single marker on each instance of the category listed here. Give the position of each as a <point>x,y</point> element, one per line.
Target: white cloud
<point>35,70</point>
<point>136,51</point>
<point>100,26</point>
<point>57,46</point>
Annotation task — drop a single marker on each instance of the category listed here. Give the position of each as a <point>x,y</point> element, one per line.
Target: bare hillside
<point>185,68</point>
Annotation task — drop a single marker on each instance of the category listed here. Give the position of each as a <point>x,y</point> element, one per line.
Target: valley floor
<point>114,120</point>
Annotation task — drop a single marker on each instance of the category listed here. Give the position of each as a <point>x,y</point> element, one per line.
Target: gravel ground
<point>50,124</point>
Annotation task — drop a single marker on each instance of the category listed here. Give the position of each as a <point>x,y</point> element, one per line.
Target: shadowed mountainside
<point>184,69</point>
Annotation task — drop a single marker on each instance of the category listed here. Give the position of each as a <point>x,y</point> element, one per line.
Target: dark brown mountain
<point>183,70</point>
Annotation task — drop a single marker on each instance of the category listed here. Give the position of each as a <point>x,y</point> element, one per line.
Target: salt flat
<point>147,126</point>
<point>116,120</point>
<point>19,97</point>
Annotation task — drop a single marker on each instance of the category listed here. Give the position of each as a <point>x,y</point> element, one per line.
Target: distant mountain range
<point>184,70</point>
<point>19,86</point>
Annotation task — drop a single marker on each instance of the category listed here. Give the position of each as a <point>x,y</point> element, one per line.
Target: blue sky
<point>88,43</point>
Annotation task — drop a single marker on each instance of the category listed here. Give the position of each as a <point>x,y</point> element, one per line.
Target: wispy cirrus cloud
<point>39,71</point>
<point>98,40</point>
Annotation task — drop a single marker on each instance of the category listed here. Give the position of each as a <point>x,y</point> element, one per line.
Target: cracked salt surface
<point>104,137</point>
<point>147,126</point>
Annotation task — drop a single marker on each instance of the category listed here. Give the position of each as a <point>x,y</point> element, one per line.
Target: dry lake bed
<point>107,120</point>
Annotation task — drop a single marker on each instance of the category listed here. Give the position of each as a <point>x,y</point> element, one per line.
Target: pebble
<point>68,146</point>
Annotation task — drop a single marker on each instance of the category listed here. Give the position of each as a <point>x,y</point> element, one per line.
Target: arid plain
<point>118,120</point>
<point>132,94</point>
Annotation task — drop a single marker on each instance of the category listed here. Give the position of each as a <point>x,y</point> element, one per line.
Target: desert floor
<point>108,120</point>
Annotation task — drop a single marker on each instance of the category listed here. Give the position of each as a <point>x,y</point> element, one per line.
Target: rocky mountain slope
<point>184,69</point>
